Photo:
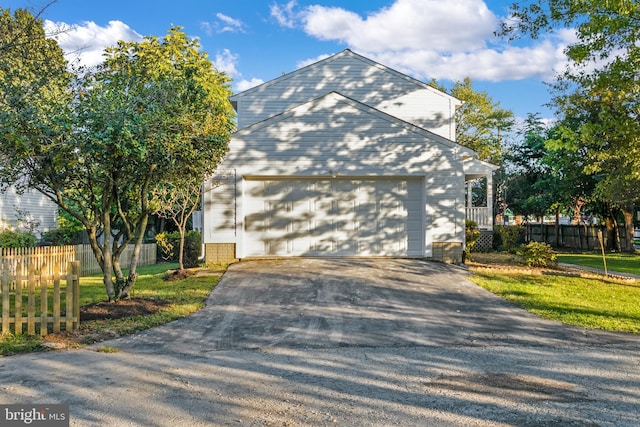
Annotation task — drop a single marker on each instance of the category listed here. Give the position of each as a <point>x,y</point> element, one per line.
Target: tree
<point>527,173</point>
<point>178,202</point>
<point>480,122</point>
<point>599,89</point>
<point>154,111</point>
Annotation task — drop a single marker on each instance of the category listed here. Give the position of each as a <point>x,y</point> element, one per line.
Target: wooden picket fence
<point>89,264</point>
<point>47,295</point>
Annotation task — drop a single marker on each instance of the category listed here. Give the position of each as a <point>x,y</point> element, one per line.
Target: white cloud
<point>229,24</point>
<point>284,14</point>
<point>225,24</point>
<point>454,25</point>
<point>226,61</point>
<point>85,42</point>
<point>431,39</point>
<point>243,85</point>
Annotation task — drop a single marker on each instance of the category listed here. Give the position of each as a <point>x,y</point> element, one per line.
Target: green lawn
<point>591,303</point>
<point>623,263</point>
<point>183,296</point>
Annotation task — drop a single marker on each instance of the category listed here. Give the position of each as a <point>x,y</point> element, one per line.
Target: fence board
<point>48,289</point>
<point>583,237</point>
<point>46,257</point>
<point>18,300</point>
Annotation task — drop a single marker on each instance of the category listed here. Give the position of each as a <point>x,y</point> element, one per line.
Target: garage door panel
<point>333,217</point>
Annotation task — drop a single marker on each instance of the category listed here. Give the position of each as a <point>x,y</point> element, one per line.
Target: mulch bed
<point>123,308</point>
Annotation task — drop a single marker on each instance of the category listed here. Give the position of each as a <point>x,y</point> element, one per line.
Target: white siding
<point>34,205</point>
<point>219,207</point>
<point>333,217</point>
<point>357,78</point>
<point>338,137</point>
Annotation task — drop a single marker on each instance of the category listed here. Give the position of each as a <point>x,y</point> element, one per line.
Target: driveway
<point>343,342</point>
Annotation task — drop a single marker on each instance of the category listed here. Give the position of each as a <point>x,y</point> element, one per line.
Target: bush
<point>169,245</point>
<point>16,239</point>
<point>508,237</point>
<point>472,234</point>
<point>61,237</point>
<point>537,254</point>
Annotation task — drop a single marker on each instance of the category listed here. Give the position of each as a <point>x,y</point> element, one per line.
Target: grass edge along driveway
<point>610,305</point>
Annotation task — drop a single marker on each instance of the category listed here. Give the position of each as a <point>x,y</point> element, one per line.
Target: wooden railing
<point>480,216</point>
<point>41,301</point>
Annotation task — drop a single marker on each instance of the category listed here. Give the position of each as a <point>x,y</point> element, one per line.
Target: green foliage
<point>480,122</point>
<point>99,141</point>
<point>508,237</point>
<point>62,236</point>
<point>472,233</point>
<point>16,239</point>
<point>598,95</point>
<point>169,247</point>
<point>538,254</point>
<point>164,242</point>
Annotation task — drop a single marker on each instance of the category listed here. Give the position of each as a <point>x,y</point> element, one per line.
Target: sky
<point>257,40</point>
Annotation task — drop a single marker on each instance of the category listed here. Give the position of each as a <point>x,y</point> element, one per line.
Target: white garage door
<point>333,217</point>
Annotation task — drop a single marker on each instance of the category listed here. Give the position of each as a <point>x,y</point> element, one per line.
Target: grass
<point>623,263</point>
<point>588,302</point>
<point>183,296</point>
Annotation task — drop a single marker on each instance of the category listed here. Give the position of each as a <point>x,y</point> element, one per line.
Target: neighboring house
<point>344,157</point>
<point>30,211</point>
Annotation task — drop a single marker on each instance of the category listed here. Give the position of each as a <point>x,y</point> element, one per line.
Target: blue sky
<point>257,40</point>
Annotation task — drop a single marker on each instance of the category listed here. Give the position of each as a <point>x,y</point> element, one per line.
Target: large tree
<point>153,111</point>
<point>481,124</point>
<point>599,89</point>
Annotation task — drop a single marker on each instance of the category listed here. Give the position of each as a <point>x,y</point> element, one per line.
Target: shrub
<point>508,237</point>
<point>471,235</point>
<point>16,239</point>
<point>60,237</point>
<point>169,245</point>
<point>538,254</point>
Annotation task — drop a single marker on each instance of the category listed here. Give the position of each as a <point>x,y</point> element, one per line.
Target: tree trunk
<point>135,257</point>
<point>627,211</point>
<point>557,228</point>
<point>181,253</point>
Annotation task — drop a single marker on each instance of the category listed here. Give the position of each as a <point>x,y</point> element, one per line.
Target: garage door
<point>333,217</point>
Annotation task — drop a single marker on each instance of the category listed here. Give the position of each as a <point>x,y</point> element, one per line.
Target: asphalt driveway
<point>328,303</point>
<point>343,342</point>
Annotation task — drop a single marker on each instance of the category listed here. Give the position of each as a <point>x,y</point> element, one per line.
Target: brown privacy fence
<point>583,237</point>
<point>45,299</point>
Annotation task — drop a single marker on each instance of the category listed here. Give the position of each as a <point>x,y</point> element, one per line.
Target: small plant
<point>107,349</point>
<point>471,235</point>
<point>538,254</point>
<point>169,247</point>
<point>508,237</point>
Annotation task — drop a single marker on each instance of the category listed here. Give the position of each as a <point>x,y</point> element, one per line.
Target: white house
<point>344,157</point>
<point>30,210</point>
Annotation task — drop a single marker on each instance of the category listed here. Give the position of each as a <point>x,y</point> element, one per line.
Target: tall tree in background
<point>599,89</point>
<point>97,145</point>
<point>481,124</point>
<point>528,176</point>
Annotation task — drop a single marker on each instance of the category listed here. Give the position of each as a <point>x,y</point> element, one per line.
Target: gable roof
<point>331,99</point>
<point>336,57</point>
